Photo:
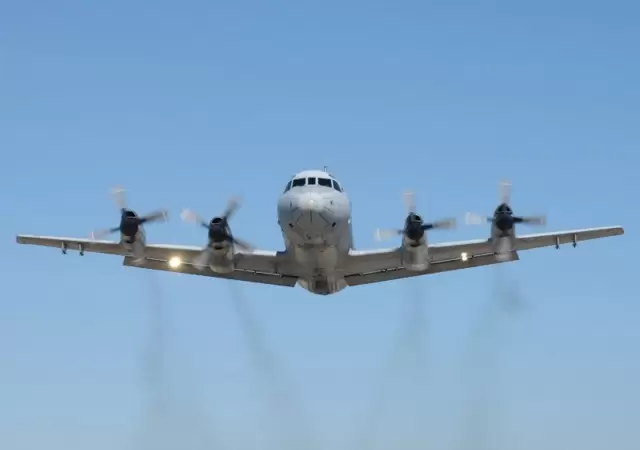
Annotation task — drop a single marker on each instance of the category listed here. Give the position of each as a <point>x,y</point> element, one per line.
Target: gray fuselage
<point>314,214</point>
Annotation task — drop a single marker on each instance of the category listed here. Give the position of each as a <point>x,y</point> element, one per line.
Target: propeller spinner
<point>414,226</point>
<point>219,231</point>
<point>503,217</point>
<point>130,222</point>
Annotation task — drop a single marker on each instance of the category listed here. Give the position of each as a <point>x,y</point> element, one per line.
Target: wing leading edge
<point>259,266</point>
<point>374,266</point>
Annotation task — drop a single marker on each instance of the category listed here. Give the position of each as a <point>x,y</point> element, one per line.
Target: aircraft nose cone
<point>308,202</point>
<point>313,219</point>
<point>312,203</point>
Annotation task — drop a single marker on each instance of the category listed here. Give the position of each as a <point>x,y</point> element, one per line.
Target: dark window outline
<point>298,182</point>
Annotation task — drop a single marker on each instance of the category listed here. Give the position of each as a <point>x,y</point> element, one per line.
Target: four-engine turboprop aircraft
<point>314,213</point>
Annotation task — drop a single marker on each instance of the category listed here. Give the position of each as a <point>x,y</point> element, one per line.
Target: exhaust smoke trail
<point>283,403</point>
<point>167,423</point>
<point>403,366</point>
<point>508,292</point>
<point>154,372</point>
<point>482,398</point>
<point>481,427</point>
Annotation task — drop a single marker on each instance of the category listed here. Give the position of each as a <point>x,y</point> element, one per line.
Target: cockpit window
<point>298,182</point>
<point>313,181</point>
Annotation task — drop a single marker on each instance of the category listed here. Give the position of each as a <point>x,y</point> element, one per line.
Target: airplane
<point>314,215</point>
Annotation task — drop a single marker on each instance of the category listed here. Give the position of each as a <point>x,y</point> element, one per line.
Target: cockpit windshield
<point>299,182</point>
<point>313,181</point>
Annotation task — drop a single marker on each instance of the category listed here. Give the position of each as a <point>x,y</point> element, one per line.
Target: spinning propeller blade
<point>232,207</point>
<point>191,216</point>
<point>384,234</point>
<point>154,216</point>
<point>532,220</point>
<point>97,235</point>
<point>130,222</point>
<point>410,202</point>
<point>119,196</point>
<point>505,192</point>
<point>504,212</point>
<point>444,224</point>
<point>504,220</point>
<point>414,224</point>
<point>476,219</point>
<point>219,231</point>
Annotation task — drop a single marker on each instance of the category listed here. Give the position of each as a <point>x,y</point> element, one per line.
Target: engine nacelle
<point>137,238</point>
<point>415,255</point>
<point>129,226</point>
<point>222,259</point>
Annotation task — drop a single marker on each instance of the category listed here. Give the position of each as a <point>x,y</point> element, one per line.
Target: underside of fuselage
<point>323,285</point>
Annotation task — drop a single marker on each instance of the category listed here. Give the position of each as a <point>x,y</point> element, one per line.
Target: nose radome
<point>309,202</point>
<point>312,218</point>
<point>312,202</point>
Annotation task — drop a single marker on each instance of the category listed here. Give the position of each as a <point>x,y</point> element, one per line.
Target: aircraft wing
<point>374,266</point>
<point>259,266</point>
<point>86,245</point>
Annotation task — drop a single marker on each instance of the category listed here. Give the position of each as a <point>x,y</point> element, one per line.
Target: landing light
<point>175,262</point>
<point>464,256</point>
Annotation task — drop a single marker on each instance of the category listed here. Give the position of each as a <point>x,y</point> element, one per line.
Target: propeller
<point>219,230</point>
<point>414,227</point>
<point>503,217</point>
<point>130,222</point>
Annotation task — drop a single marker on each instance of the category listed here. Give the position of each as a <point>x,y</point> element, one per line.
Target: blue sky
<point>186,104</point>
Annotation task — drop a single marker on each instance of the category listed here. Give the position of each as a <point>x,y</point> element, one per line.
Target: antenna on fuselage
<point>326,169</point>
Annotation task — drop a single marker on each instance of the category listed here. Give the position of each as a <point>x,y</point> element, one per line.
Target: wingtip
<point>615,230</point>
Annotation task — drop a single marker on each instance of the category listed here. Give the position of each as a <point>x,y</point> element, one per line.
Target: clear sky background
<point>188,103</point>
